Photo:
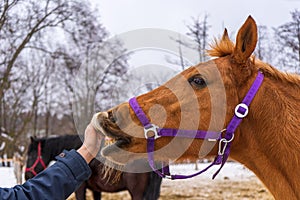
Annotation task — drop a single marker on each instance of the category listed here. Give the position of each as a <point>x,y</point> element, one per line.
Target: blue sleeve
<point>56,182</point>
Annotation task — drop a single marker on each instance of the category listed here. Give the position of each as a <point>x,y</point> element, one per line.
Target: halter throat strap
<point>153,132</point>
<point>39,159</point>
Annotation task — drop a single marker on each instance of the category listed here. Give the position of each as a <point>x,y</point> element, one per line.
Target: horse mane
<point>224,47</point>
<point>285,77</point>
<point>55,144</point>
<point>54,137</point>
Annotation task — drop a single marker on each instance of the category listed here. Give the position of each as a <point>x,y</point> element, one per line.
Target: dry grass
<point>203,189</point>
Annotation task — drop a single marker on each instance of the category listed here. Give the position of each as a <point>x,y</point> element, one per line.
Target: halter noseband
<point>38,160</point>
<point>152,132</point>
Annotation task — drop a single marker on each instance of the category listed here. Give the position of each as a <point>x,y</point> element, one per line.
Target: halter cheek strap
<point>153,132</point>
<point>38,160</point>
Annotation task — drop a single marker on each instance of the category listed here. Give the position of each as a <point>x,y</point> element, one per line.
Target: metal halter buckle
<point>151,128</point>
<point>221,150</point>
<point>238,114</point>
<point>168,177</point>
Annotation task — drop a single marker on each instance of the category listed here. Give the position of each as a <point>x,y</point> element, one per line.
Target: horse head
<point>37,157</point>
<point>203,97</point>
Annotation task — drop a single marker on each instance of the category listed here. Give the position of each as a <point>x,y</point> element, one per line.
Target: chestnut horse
<point>204,97</point>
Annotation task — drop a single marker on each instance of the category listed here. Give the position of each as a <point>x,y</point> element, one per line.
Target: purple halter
<point>152,132</point>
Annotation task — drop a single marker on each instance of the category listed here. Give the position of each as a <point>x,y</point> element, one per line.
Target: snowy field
<point>231,170</point>
<point>7,177</point>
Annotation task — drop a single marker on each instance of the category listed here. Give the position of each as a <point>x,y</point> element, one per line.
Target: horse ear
<point>245,41</point>
<point>32,138</point>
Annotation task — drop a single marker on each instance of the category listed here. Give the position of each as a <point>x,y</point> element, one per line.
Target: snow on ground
<point>7,177</point>
<point>231,170</point>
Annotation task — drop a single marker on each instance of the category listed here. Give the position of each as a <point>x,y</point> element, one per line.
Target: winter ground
<point>7,177</point>
<point>234,182</point>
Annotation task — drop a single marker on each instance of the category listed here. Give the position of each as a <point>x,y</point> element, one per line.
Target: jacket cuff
<point>76,163</point>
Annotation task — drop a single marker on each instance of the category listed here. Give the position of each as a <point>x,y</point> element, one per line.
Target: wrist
<point>84,152</point>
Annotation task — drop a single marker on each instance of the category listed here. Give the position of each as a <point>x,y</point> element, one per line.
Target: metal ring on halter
<point>221,150</point>
<point>151,128</point>
<point>241,115</point>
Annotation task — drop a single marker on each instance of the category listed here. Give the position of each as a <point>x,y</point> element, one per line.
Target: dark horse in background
<point>140,185</point>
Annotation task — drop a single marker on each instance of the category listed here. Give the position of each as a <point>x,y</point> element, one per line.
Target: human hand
<point>91,144</point>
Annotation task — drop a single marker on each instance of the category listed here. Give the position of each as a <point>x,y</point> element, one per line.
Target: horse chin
<point>111,153</point>
<point>116,154</point>
<point>121,152</point>
<point>114,146</point>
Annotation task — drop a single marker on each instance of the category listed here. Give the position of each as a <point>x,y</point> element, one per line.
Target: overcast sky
<point>120,16</point>
<point>125,15</point>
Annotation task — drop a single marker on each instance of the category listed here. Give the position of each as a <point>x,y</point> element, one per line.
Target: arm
<point>63,177</point>
<point>56,182</point>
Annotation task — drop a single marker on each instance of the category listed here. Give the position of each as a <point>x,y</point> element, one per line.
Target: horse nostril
<point>111,117</point>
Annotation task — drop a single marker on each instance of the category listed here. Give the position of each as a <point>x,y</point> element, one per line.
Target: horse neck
<point>270,139</point>
<point>58,144</point>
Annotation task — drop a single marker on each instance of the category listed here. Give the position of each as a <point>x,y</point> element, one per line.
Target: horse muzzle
<point>105,122</point>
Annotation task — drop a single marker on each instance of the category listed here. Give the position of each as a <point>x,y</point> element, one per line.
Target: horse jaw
<point>119,155</point>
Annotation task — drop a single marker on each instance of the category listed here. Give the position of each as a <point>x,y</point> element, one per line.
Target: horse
<point>140,185</point>
<point>235,105</point>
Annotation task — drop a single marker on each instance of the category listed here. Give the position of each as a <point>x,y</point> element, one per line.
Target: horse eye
<point>197,81</point>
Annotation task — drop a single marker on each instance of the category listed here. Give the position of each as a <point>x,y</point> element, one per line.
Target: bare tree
<point>288,35</point>
<point>28,75</point>
<point>91,61</point>
<point>179,60</point>
<point>261,42</point>
<point>20,22</point>
<point>198,31</point>
<point>22,25</point>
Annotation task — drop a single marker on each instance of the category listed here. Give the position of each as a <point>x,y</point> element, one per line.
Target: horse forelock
<point>221,47</point>
<point>224,47</point>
